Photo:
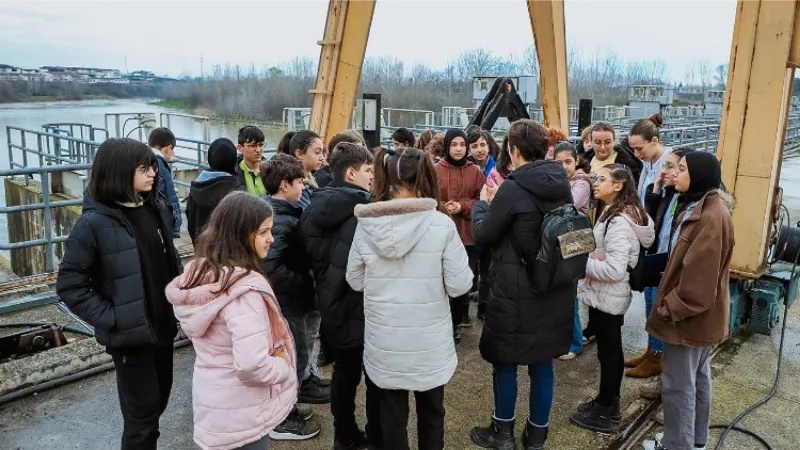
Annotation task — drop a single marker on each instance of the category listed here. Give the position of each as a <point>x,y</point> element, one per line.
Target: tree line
<point>251,93</point>
<point>27,91</point>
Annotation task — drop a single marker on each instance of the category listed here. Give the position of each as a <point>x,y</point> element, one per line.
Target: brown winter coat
<point>463,185</point>
<point>692,306</point>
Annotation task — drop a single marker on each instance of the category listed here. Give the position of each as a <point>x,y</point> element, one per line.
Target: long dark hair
<point>504,160</point>
<point>225,243</point>
<point>114,167</point>
<point>627,200</point>
<point>411,169</point>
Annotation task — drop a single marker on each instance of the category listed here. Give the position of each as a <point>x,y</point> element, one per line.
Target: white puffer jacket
<point>606,284</point>
<point>407,258</point>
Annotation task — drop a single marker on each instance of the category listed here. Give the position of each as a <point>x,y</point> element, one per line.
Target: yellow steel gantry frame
<point>764,53</point>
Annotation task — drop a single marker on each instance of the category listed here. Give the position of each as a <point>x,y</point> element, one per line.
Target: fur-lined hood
<point>394,227</point>
<point>727,199</point>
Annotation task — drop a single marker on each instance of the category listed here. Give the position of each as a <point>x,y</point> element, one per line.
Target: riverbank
<point>188,108</point>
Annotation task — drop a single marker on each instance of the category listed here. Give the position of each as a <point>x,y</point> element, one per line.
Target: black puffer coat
<point>522,327</point>
<point>327,227</point>
<point>286,265</point>
<point>100,276</point>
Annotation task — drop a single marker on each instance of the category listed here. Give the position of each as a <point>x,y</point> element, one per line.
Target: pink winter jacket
<point>494,179</point>
<point>239,391</point>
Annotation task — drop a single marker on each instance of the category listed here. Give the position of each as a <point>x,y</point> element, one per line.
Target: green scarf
<point>252,181</point>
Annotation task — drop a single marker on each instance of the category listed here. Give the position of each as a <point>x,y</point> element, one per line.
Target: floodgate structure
<point>57,384</point>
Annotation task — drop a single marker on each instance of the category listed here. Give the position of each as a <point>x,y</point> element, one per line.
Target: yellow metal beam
<point>547,22</point>
<point>341,57</point>
<point>754,123</point>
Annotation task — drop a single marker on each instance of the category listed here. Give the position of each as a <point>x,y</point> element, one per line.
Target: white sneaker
<point>653,444</point>
<point>567,357</point>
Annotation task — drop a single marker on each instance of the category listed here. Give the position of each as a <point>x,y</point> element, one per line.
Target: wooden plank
<point>735,101</point>
<point>346,34</point>
<point>794,50</point>
<point>754,123</point>
<point>547,23</point>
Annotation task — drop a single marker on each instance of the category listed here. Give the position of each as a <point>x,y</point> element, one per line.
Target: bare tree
<point>704,74</point>
<point>721,76</point>
<point>476,63</point>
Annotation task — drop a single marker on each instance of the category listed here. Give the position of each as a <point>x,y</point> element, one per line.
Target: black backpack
<point>566,241</point>
<point>636,275</point>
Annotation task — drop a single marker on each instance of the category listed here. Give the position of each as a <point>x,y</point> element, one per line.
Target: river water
<point>33,115</point>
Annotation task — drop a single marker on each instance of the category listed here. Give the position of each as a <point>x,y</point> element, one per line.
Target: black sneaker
<point>324,382</point>
<point>358,443</point>
<point>294,428</point>
<point>305,412</point>
<point>313,393</point>
<point>616,416</point>
<point>457,334</point>
<point>597,418</point>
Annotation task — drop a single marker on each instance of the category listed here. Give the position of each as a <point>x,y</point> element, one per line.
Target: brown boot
<point>631,363</point>
<point>651,366</point>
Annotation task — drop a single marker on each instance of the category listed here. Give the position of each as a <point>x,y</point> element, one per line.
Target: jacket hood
<point>332,205</point>
<point>196,308</point>
<point>210,187</point>
<point>544,179</point>
<point>394,227</point>
<point>727,199</point>
<point>645,233</point>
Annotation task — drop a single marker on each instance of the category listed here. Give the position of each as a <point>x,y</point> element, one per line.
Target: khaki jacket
<point>692,305</point>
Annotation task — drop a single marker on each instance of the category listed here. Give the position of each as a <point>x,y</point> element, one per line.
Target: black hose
<point>39,324</point>
<point>752,434</point>
<point>70,378</point>
<point>733,426</point>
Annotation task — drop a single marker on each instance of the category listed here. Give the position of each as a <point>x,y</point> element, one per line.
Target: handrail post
<point>48,226</point>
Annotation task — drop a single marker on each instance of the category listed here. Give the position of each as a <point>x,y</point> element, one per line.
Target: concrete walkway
<point>85,415</point>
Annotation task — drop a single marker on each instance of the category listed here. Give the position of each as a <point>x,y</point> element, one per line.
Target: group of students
<point>379,253</point>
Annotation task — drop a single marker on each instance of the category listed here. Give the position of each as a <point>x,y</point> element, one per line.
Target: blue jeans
<point>649,299</point>
<point>504,383</point>
<point>577,333</point>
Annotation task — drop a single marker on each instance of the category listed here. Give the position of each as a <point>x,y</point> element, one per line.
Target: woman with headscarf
<point>460,182</point>
<point>691,311</point>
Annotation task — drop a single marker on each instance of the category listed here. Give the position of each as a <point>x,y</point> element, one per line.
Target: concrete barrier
<point>51,364</point>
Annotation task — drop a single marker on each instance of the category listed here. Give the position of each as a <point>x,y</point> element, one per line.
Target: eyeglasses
<point>145,170</point>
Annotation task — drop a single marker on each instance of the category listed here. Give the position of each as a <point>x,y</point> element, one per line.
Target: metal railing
<point>46,205</point>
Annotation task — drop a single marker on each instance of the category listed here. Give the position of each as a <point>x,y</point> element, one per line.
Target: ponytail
<point>283,144</point>
<point>411,169</point>
<point>425,182</point>
<point>381,187</point>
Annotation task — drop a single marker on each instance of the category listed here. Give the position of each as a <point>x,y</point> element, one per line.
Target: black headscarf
<point>705,174</point>
<point>451,134</point>
<point>222,156</point>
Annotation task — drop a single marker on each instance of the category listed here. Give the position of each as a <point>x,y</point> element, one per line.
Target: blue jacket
<point>167,188</point>
<point>490,163</point>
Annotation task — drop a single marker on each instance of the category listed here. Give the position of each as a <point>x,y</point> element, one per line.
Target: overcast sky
<point>169,37</point>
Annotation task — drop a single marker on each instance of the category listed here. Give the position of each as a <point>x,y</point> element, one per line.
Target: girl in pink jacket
<point>245,381</point>
<point>579,183</point>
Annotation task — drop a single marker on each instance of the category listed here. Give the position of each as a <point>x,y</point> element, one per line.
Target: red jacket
<point>463,185</point>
